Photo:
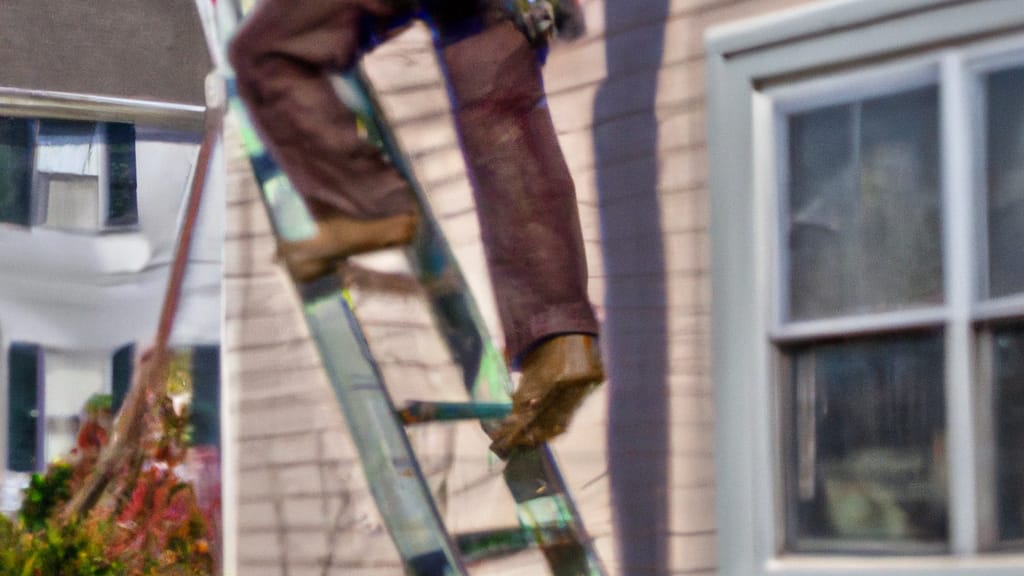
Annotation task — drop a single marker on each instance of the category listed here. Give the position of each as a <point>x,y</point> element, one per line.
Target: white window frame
<point>146,115</point>
<point>40,178</point>
<point>752,68</point>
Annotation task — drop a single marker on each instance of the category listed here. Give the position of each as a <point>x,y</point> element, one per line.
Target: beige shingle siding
<point>297,465</point>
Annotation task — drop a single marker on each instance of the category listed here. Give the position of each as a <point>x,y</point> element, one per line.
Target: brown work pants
<point>526,203</point>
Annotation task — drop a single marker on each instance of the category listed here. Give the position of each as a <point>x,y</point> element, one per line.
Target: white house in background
<point>99,131</point>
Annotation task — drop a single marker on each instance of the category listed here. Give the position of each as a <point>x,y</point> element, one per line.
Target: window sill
<point>984,565</point>
<point>102,231</point>
<point>47,252</point>
<point>92,232</point>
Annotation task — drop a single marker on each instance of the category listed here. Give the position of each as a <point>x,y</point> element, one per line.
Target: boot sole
<point>509,441</point>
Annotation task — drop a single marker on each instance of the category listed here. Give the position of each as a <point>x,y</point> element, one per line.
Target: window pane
<point>1009,427</point>
<point>864,223</point>
<point>1005,167</point>
<point>68,147</point>
<point>123,207</point>
<point>15,170</point>
<point>866,445</point>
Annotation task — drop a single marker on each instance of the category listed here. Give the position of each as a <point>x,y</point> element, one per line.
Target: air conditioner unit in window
<point>71,200</point>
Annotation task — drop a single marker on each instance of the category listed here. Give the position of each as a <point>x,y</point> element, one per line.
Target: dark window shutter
<point>122,208</point>
<point>121,374</point>
<point>205,409</point>
<point>16,148</point>
<point>23,396</point>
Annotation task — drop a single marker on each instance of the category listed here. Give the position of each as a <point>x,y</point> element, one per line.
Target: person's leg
<point>530,225</point>
<point>525,196</point>
<point>283,57</point>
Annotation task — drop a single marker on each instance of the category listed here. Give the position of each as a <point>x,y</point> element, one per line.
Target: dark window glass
<point>60,132</point>
<point>205,409</point>
<point>121,374</point>
<point>16,144</point>
<point>1009,429</point>
<point>23,401</point>
<point>867,445</point>
<point>1005,171</point>
<point>123,207</point>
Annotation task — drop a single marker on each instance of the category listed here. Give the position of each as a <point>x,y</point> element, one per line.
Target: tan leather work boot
<point>338,238</point>
<point>557,376</point>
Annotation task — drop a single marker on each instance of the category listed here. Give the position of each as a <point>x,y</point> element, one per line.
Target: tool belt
<point>541,20</point>
<point>538,20</point>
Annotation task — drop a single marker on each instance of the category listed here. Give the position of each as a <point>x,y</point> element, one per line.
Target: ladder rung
<point>477,546</point>
<point>419,412</point>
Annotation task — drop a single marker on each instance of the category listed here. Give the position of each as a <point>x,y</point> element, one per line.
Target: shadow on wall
<point>635,331</point>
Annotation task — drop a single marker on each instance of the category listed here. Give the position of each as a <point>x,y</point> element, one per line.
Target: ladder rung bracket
<point>551,510</point>
<point>478,546</point>
<point>542,500</point>
<point>421,412</point>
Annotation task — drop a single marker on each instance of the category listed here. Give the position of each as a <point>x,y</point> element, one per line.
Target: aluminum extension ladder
<point>547,516</point>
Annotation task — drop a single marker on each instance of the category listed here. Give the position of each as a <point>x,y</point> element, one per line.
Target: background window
<point>809,274</point>
<point>863,243</point>
<point>51,170</point>
<point>74,377</point>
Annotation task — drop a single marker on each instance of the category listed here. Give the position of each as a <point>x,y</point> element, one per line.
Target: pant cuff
<point>567,319</point>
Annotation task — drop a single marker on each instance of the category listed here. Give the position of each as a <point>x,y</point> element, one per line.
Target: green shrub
<point>44,493</point>
<point>151,526</point>
<point>72,549</point>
